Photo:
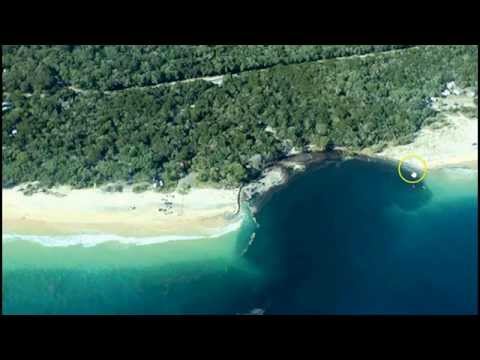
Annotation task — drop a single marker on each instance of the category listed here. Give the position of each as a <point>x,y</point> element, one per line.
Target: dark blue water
<point>353,238</point>
<point>348,238</point>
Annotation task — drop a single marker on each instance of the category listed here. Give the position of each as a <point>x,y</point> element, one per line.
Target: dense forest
<point>225,134</point>
<point>114,67</point>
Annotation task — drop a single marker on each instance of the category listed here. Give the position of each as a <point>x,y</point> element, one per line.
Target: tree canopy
<point>58,136</point>
<point>114,67</point>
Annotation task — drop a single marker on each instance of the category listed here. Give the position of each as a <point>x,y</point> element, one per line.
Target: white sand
<point>199,212</point>
<point>454,142</point>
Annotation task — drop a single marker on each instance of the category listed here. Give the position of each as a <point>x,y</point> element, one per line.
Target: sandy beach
<point>207,211</point>
<point>89,211</point>
<point>451,142</point>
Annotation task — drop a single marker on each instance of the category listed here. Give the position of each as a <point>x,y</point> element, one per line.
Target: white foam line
<point>460,170</point>
<point>89,240</point>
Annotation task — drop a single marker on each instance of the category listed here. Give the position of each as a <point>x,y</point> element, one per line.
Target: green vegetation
<point>31,189</point>
<point>113,188</point>
<point>139,188</point>
<point>116,67</point>
<point>469,111</point>
<point>219,131</point>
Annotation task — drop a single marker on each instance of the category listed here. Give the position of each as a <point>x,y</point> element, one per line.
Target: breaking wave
<point>89,240</point>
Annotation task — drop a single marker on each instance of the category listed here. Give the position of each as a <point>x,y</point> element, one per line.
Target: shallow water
<point>349,238</point>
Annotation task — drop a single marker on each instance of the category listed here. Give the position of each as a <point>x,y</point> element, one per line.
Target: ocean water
<point>345,238</point>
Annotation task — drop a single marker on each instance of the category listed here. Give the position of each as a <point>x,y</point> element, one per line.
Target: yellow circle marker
<point>414,174</point>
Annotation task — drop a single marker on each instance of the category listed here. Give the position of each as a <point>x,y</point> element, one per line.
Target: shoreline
<point>199,213</point>
<point>452,139</point>
<point>450,142</point>
<point>304,162</point>
<point>277,176</point>
<point>93,239</point>
<point>117,222</point>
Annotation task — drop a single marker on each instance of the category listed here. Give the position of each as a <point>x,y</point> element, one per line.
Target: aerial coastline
<point>200,212</point>
<point>231,179</point>
<point>450,141</point>
<point>208,211</point>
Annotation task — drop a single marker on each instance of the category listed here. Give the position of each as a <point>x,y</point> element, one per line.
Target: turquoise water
<point>202,276</point>
<point>348,238</point>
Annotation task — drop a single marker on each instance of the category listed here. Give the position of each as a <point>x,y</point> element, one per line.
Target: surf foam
<point>89,240</point>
